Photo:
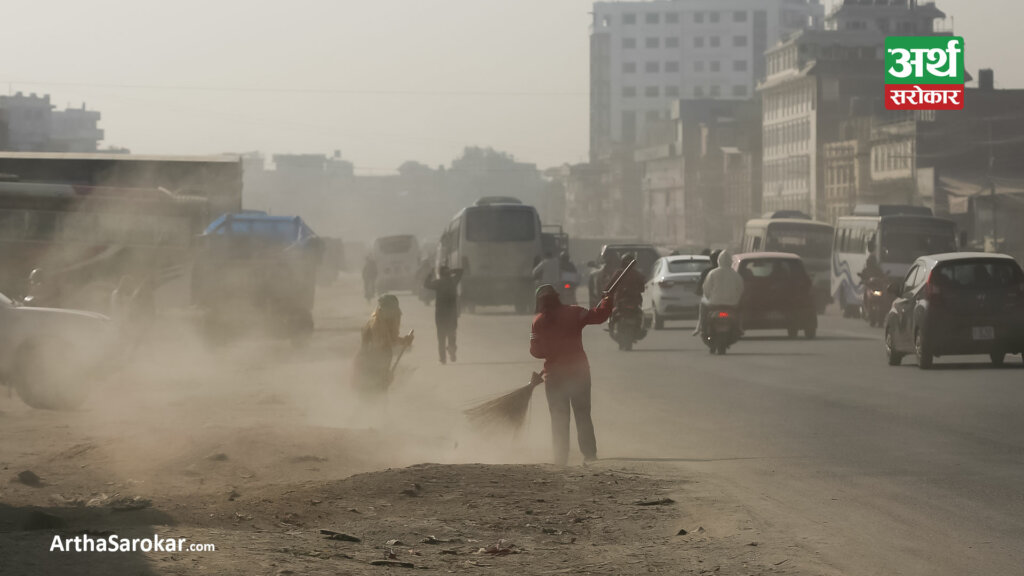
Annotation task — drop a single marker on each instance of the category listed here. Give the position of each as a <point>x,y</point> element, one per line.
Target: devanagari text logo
<point>924,73</point>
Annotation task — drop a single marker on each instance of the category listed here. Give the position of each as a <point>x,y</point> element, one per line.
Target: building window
<point>715,42</point>
<point>629,67</point>
<point>713,17</point>
<point>739,16</point>
<point>739,66</point>
<point>652,18</point>
<point>671,67</point>
<point>716,66</point>
<point>629,43</point>
<point>698,66</point>
<point>628,91</point>
<point>672,91</point>
<point>739,91</point>
<point>698,42</point>
<point>652,91</point>
<point>653,42</point>
<point>629,18</point>
<point>698,17</point>
<point>698,91</point>
<point>651,67</point>
<point>715,92</point>
<point>739,41</point>
<point>672,42</point>
<point>652,116</point>
<point>672,18</point>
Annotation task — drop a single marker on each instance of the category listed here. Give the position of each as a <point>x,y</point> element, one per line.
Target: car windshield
<point>906,246</point>
<point>688,266</point>
<point>978,274</point>
<point>500,225</point>
<point>804,241</point>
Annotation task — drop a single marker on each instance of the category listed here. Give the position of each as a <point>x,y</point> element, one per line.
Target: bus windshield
<point>395,244</point>
<point>905,246</point>
<point>810,242</point>
<point>500,225</point>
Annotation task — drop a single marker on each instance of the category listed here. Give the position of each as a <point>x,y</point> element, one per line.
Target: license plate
<point>773,316</point>
<point>983,333</point>
<point>721,328</point>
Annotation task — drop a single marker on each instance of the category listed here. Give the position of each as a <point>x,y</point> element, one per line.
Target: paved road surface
<point>883,470</point>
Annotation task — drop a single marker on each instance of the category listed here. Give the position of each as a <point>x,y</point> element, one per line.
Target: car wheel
<point>997,358</point>
<point>793,332</point>
<point>925,357</point>
<point>44,382</point>
<point>659,322</point>
<point>894,357</point>
<point>811,333</point>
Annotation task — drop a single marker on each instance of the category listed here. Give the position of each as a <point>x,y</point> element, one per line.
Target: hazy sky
<point>383,81</point>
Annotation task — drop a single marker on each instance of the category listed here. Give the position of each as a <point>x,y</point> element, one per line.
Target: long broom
<point>394,367</point>
<point>509,411</point>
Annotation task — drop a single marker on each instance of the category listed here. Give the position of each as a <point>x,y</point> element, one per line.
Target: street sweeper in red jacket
<point>557,338</point>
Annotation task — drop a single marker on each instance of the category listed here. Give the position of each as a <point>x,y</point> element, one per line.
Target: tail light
<point>723,314</point>
<point>568,286</point>
<point>932,292</point>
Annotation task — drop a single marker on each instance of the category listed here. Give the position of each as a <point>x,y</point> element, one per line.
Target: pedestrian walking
<point>446,310</point>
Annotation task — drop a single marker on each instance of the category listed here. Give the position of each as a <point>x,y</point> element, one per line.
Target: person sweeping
<point>373,367</point>
<point>557,338</point>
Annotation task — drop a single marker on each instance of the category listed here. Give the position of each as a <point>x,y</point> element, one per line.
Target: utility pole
<point>992,190</point>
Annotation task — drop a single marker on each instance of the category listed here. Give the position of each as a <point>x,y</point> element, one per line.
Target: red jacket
<point>557,336</point>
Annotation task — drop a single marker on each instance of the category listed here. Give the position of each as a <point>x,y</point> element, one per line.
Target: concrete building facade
<point>645,55</point>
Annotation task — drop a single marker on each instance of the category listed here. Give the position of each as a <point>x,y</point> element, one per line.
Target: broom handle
<point>401,351</point>
<point>615,284</point>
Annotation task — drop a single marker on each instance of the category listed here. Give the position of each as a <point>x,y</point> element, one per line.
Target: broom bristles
<point>508,411</point>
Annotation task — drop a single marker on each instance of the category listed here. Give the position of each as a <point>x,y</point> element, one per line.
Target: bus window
<point>757,244</point>
<point>501,226</point>
<point>899,246</point>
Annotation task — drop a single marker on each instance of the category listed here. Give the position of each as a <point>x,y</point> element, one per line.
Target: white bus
<point>398,261</point>
<point>896,240</point>
<point>496,244</point>
<point>810,240</point>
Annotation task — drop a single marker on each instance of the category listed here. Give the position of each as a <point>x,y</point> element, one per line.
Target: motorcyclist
<point>723,285</point>
<point>631,287</point>
<point>871,269</point>
<point>699,290</point>
<point>569,276</point>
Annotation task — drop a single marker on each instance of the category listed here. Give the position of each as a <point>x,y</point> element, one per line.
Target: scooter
<point>567,292</point>
<point>720,329</point>
<point>877,300</point>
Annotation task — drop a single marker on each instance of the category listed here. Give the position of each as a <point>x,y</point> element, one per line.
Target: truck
<point>256,270</point>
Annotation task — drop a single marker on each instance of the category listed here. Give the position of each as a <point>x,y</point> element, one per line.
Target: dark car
<point>646,255</point>
<point>957,303</point>
<point>778,293</point>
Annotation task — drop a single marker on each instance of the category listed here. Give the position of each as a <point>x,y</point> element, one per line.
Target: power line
<point>327,91</point>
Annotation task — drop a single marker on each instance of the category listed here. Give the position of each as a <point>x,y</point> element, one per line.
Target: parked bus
<point>895,239</point>
<point>497,245</point>
<point>398,262</point>
<point>810,240</point>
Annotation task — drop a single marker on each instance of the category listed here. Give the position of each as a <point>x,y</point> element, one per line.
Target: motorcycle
<point>877,300</point>
<point>567,293</point>
<point>720,329</point>
<point>628,325</point>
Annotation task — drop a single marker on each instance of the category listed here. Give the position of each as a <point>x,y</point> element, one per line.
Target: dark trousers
<point>564,392</point>
<point>446,339</point>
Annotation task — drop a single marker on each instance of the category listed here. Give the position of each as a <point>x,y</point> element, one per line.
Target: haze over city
<point>384,82</point>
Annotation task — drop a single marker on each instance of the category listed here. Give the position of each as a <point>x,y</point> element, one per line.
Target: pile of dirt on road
<point>511,519</point>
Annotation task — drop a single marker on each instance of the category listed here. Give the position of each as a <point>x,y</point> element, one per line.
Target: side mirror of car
<point>894,289</point>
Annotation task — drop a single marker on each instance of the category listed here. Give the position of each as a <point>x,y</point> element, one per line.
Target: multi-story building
<point>814,78</point>
<point>32,125</point>
<point>645,55</point>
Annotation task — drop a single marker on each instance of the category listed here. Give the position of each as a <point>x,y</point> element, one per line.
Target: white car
<point>51,356</point>
<point>672,290</point>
